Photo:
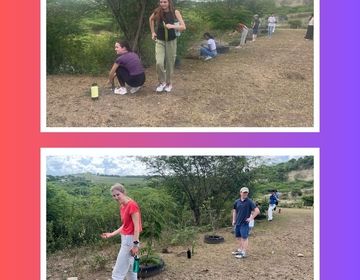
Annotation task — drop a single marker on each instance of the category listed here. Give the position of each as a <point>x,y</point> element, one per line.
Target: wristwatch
<point>136,243</point>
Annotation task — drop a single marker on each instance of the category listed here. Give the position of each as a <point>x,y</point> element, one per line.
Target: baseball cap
<point>244,189</point>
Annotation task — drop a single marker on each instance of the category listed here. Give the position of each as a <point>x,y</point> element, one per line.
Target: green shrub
<point>308,200</point>
<point>295,193</point>
<point>221,18</point>
<point>295,24</point>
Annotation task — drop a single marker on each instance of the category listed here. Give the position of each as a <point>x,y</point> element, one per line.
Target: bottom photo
<point>180,213</point>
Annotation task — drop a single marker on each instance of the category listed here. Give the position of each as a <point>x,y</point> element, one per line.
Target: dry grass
<point>269,83</point>
<point>273,254</point>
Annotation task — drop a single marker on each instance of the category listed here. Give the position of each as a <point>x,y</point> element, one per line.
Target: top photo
<point>180,66</point>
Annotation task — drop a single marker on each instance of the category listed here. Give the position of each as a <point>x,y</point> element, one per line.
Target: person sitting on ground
<point>242,28</point>
<point>209,51</point>
<point>127,68</point>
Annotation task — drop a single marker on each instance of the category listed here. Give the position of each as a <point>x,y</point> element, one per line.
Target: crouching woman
<point>127,68</point>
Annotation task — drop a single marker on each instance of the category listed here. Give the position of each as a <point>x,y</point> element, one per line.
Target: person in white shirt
<point>310,28</point>
<point>271,25</point>
<point>209,51</point>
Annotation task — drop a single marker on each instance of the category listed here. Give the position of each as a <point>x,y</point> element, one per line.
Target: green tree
<point>132,18</point>
<point>192,180</point>
<point>62,27</point>
<point>157,212</point>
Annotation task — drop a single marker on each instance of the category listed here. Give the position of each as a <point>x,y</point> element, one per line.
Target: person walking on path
<point>310,28</point>
<point>127,68</point>
<point>243,30</point>
<point>271,25</point>
<point>273,201</point>
<point>167,20</point>
<point>244,211</point>
<point>129,231</point>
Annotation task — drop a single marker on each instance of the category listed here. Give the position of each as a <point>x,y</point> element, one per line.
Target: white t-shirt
<point>212,45</point>
<point>271,21</point>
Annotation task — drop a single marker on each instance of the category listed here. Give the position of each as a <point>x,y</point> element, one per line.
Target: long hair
<point>159,13</point>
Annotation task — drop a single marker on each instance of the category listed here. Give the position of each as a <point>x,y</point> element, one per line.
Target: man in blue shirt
<point>244,211</point>
<point>273,201</point>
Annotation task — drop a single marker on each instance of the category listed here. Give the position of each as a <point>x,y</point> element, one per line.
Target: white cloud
<point>65,165</point>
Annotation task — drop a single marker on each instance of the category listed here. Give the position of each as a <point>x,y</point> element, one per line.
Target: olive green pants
<point>165,55</point>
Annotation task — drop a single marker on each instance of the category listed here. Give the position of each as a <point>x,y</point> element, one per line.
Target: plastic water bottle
<point>94,91</point>
<point>136,266</point>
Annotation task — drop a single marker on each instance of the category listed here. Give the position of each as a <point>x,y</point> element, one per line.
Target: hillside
<point>293,3</point>
<point>301,175</point>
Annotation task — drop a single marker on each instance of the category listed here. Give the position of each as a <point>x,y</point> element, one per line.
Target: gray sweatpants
<point>124,262</point>
<point>244,33</point>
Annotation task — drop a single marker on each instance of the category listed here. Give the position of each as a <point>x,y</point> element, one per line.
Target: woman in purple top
<point>127,68</point>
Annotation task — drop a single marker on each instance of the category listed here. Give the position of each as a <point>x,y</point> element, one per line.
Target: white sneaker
<point>134,89</point>
<point>120,90</point>
<point>207,58</point>
<point>241,256</point>
<point>161,87</point>
<point>168,88</point>
<point>237,252</point>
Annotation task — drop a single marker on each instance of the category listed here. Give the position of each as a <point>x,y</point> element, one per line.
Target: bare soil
<point>274,249</point>
<point>268,83</point>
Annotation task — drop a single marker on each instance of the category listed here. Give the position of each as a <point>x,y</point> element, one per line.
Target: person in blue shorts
<point>244,211</point>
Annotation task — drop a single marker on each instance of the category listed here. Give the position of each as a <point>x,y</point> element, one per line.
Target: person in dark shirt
<point>127,68</point>
<point>255,27</point>
<point>167,21</point>
<point>243,212</point>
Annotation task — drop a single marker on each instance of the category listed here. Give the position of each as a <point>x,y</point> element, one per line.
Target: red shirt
<point>127,223</point>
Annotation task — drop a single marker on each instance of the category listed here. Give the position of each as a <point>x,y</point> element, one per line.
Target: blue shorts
<point>242,231</point>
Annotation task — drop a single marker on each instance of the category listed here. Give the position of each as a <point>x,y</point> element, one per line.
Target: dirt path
<point>268,83</point>
<point>273,254</point>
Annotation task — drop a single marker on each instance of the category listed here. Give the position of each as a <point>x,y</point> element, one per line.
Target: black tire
<point>222,49</point>
<point>213,239</point>
<point>151,269</point>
